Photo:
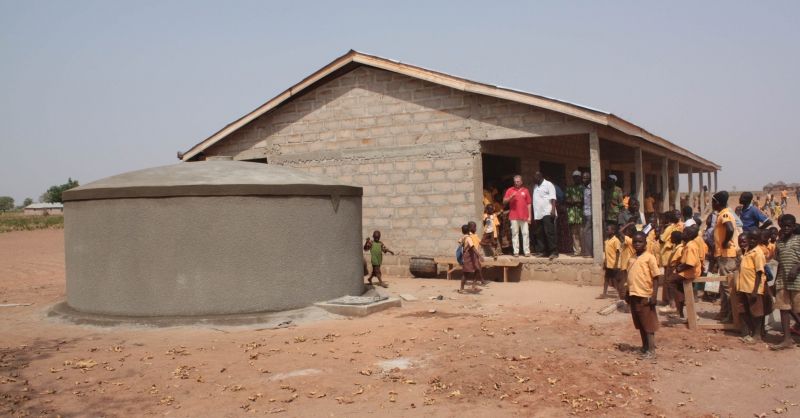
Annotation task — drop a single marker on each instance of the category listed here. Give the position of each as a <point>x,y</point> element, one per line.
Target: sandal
<point>782,346</point>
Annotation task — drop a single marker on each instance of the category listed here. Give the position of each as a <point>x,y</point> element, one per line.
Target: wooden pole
<point>664,184</point>
<point>597,196</point>
<point>677,181</point>
<point>702,194</point>
<point>637,162</point>
<point>689,196</point>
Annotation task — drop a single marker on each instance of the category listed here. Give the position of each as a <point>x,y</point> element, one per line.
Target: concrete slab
<point>359,310</point>
<point>263,320</point>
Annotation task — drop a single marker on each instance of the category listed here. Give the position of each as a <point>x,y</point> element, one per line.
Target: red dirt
<point>530,348</point>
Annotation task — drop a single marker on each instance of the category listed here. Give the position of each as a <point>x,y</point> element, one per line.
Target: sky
<point>90,89</point>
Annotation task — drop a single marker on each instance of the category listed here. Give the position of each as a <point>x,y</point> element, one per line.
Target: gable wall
<point>413,146</point>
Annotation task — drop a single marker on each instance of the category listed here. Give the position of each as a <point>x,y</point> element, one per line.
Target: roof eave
<point>454,82</point>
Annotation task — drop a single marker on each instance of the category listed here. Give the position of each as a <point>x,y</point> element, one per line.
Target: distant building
<point>44,209</point>
<point>780,186</point>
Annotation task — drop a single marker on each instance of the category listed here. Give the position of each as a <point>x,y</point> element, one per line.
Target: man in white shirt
<point>544,213</point>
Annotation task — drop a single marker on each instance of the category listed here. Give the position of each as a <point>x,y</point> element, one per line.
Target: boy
<point>673,223</point>
<point>670,262</point>
<point>690,266</point>
<point>643,277</point>
<point>476,243</point>
<point>626,253</point>
<point>653,246</point>
<point>491,227</point>
<point>612,248</point>
<point>376,250</point>
<point>773,238</point>
<point>471,258</point>
<point>787,285</point>
<point>750,290</point>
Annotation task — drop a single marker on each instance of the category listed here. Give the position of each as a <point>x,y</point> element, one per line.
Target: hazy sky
<point>90,89</point>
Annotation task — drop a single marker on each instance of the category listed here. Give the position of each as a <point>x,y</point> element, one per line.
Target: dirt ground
<point>516,349</point>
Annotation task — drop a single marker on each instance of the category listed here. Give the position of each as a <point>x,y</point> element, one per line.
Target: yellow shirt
<point>476,242</point>
<point>652,243</point>
<point>725,216</point>
<point>667,245</point>
<point>753,261</point>
<point>665,235</point>
<point>764,250</point>
<point>675,255</point>
<point>691,257</point>
<point>487,197</point>
<point>770,253</point>
<point>642,270</point>
<point>612,248</point>
<point>626,253</point>
<point>701,244</point>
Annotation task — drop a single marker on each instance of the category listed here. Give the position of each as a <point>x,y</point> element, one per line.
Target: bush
<point>16,222</point>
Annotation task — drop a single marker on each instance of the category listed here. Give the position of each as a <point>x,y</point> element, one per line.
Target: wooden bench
<point>691,312</point>
<point>504,263</point>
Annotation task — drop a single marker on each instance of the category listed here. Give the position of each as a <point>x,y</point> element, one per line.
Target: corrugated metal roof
<point>45,206</point>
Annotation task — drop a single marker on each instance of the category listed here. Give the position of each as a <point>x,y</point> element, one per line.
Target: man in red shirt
<point>518,199</point>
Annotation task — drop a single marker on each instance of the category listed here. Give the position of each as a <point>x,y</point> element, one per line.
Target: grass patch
<point>18,222</point>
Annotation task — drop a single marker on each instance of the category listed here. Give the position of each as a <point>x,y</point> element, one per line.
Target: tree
<point>6,203</point>
<point>27,202</point>
<point>53,194</point>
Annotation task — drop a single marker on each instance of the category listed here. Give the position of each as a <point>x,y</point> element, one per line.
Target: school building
<point>424,144</point>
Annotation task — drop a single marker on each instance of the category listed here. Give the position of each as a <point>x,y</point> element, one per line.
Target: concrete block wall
<point>413,146</point>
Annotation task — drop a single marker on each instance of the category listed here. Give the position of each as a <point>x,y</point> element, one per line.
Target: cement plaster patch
<point>294,373</point>
<point>400,363</point>
<point>360,310</point>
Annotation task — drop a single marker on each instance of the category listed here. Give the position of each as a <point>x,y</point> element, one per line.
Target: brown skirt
<point>644,315</point>
<point>755,308</point>
<point>472,261</point>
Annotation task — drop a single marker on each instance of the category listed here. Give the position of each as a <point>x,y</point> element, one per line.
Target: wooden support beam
<point>597,196</point>
<point>477,184</point>
<point>639,171</point>
<point>716,185</point>
<point>690,196</point>
<point>664,184</point>
<point>702,194</point>
<point>677,180</point>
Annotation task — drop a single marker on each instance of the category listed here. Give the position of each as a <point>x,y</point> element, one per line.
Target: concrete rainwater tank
<point>211,238</point>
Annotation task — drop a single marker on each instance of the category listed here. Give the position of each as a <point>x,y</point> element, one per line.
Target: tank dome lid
<point>212,178</point>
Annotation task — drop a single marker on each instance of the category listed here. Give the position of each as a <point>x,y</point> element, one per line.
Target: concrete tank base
<point>265,320</point>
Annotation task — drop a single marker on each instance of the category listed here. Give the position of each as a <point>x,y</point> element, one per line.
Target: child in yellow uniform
<point>653,247</point>
<point>643,276</point>
<point>476,244</point>
<point>626,253</point>
<point>773,238</point>
<point>691,265</point>
<point>750,290</point>
<point>674,223</point>
<point>612,247</point>
<point>671,277</point>
<point>763,243</point>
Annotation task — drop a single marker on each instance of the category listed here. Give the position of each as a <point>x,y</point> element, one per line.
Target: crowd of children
<point>670,250</point>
